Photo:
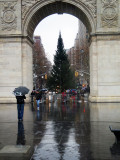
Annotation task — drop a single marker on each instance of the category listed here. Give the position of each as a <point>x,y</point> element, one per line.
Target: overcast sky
<point>49,29</point>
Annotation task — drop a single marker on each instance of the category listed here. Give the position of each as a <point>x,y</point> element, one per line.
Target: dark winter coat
<point>38,96</point>
<point>20,99</point>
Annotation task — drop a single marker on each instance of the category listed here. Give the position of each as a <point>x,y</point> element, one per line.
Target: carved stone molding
<point>109,13</point>
<point>92,5</point>
<point>26,5</point>
<point>8,18</point>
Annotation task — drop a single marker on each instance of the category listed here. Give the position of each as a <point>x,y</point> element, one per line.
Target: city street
<point>72,131</point>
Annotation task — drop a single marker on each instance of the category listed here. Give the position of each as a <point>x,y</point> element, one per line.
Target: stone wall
<point>104,69</point>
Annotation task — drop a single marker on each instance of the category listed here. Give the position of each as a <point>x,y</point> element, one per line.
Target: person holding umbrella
<point>20,96</point>
<point>20,106</point>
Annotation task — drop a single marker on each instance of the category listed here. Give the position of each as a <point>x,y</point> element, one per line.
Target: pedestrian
<point>32,95</point>
<point>20,106</point>
<point>38,96</point>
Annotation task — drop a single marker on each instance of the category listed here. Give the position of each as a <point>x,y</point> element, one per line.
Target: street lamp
<point>42,81</point>
<point>41,76</point>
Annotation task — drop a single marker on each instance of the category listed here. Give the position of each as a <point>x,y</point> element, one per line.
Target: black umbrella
<point>21,89</point>
<point>43,89</point>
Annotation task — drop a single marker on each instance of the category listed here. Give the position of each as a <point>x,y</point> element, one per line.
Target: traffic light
<point>76,74</point>
<point>45,76</point>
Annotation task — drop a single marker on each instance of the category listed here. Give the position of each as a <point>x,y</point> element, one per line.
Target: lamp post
<point>40,76</point>
<point>43,75</point>
<point>42,81</point>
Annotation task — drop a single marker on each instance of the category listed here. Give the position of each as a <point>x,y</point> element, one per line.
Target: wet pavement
<point>77,131</point>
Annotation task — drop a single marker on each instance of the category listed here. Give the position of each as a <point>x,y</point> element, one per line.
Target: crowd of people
<point>66,94</point>
<point>37,96</point>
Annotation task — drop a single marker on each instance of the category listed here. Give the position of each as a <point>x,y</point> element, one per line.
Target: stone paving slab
<point>13,152</point>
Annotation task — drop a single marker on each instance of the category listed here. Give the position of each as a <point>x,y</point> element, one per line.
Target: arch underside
<point>52,8</point>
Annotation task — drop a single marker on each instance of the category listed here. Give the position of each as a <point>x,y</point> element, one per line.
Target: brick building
<point>41,64</point>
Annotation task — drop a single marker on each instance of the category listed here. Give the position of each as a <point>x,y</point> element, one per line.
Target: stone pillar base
<point>18,152</point>
<point>104,99</point>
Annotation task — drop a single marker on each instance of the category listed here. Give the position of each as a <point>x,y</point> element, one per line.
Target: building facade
<point>41,64</point>
<point>79,55</point>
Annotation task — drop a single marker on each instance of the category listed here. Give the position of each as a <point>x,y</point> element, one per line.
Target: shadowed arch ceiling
<point>56,7</point>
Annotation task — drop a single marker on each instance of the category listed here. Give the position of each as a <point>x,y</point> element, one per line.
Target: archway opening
<point>38,13</point>
<point>50,27</point>
<point>79,42</point>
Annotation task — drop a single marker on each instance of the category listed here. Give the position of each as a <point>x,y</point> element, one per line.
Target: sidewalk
<point>11,133</point>
<point>74,131</point>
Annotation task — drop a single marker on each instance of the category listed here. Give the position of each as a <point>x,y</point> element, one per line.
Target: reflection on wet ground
<point>77,131</point>
<point>20,135</point>
<point>65,127</point>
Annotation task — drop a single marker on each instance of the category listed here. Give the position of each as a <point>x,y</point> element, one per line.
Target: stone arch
<point>40,10</point>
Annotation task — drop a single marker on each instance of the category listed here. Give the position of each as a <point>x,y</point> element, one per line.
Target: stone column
<point>27,63</point>
<point>105,68</point>
<point>104,53</point>
<point>15,66</point>
<point>15,51</point>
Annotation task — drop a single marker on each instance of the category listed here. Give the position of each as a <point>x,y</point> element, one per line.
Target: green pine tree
<point>61,76</point>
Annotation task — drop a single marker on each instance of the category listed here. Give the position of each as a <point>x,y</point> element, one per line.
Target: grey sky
<point>49,29</point>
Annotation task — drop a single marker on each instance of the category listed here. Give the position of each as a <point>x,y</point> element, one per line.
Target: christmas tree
<point>61,77</point>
